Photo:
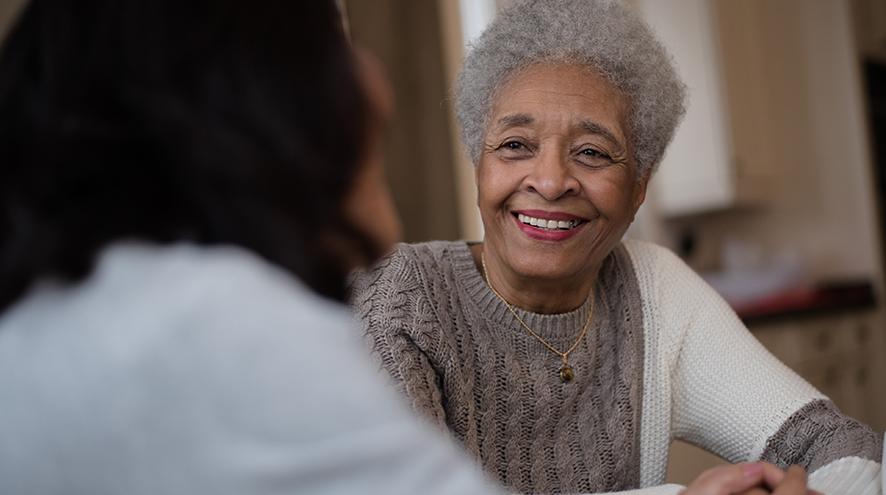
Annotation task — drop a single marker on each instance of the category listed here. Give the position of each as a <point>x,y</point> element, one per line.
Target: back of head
<point>604,35</point>
<point>210,121</point>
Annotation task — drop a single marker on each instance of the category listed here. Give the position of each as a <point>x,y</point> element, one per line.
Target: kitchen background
<point>774,189</point>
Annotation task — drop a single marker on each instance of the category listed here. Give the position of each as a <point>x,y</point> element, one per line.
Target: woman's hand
<point>757,478</point>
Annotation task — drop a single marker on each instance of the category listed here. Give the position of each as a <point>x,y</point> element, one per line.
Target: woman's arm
<point>733,398</point>
<point>385,300</point>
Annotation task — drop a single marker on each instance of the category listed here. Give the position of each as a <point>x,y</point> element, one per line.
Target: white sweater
<point>184,370</point>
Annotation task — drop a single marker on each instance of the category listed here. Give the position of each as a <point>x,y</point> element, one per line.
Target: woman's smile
<point>548,225</point>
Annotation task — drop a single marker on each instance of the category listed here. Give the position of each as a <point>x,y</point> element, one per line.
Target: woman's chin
<point>545,267</point>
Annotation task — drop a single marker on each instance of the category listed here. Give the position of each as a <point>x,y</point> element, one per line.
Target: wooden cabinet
<point>696,174</point>
<point>843,356</point>
<point>768,80</point>
<point>724,153</point>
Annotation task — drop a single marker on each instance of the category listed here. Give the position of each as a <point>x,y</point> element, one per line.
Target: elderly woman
<point>562,357</point>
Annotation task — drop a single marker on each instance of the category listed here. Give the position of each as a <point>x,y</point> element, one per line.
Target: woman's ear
<point>640,191</point>
<point>477,183</point>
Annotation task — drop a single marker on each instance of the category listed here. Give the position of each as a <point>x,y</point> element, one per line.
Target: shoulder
<point>407,269</point>
<point>677,303</point>
<point>174,319</point>
<point>179,302</point>
<point>648,255</point>
<point>670,288</point>
<point>221,280</point>
<point>660,272</point>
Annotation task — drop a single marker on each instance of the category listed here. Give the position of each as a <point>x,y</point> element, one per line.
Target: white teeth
<point>547,224</point>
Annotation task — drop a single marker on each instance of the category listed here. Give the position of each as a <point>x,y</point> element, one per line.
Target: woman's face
<point>557,182</point>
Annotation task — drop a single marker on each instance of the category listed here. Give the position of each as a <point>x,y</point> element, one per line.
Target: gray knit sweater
<point>463,360</point>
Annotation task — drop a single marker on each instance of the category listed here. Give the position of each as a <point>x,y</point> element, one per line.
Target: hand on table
<point>757,478</point>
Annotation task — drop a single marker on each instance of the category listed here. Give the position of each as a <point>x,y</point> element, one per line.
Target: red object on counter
<point>828,297</point>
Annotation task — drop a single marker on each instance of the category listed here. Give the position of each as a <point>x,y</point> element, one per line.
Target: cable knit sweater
<point>665,358</point>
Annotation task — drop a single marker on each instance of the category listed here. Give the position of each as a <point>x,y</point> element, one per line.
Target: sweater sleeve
<point>391,309</point>
<point>731,397</point>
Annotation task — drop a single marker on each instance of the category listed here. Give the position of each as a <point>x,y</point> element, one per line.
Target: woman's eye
<point>513,146</point>
<point>514,149</point>
<point>593,156</point>
<point>592,153</point>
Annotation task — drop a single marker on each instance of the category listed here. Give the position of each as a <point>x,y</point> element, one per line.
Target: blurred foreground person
<point>184,187</point>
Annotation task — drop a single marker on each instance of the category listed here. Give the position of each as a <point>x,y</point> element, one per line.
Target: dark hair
<point>210,121</point>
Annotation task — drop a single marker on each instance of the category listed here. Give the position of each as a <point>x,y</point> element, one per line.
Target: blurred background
<point>774,188</point>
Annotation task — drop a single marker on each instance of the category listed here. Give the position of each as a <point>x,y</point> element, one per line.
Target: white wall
<point>797,113</point>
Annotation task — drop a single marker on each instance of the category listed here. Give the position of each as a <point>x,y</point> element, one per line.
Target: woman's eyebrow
<point>514,120</point>
<point>592,127</point>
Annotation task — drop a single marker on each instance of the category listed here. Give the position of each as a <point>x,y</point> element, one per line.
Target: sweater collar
<point>559,329</point>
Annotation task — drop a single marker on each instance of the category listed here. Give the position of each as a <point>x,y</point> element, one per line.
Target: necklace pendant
<point>566,373</point>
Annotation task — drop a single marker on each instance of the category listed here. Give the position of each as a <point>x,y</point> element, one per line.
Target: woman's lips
<point>547,225</point>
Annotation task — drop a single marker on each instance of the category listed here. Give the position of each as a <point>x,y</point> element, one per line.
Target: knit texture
<point>665,358</point>
<point>465,362</point>
<point>817,434</point>
<point>848,475</point>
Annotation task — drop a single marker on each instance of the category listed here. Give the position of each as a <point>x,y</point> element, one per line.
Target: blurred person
<point>562,357</point>
<point>184,187</point>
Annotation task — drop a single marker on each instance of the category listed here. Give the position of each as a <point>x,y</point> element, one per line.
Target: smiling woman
<point>562,357</point>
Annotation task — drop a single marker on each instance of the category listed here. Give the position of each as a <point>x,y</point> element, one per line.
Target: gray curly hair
<point>602,34</point>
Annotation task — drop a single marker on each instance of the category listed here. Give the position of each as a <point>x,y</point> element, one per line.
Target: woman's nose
<point>551,176</point>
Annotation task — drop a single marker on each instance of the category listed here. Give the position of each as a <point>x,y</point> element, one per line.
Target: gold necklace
<point>566,372</point>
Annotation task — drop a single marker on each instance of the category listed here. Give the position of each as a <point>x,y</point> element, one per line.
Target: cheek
<point>614,197</point>
<point>495,184</point>
<point>484,186</point>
